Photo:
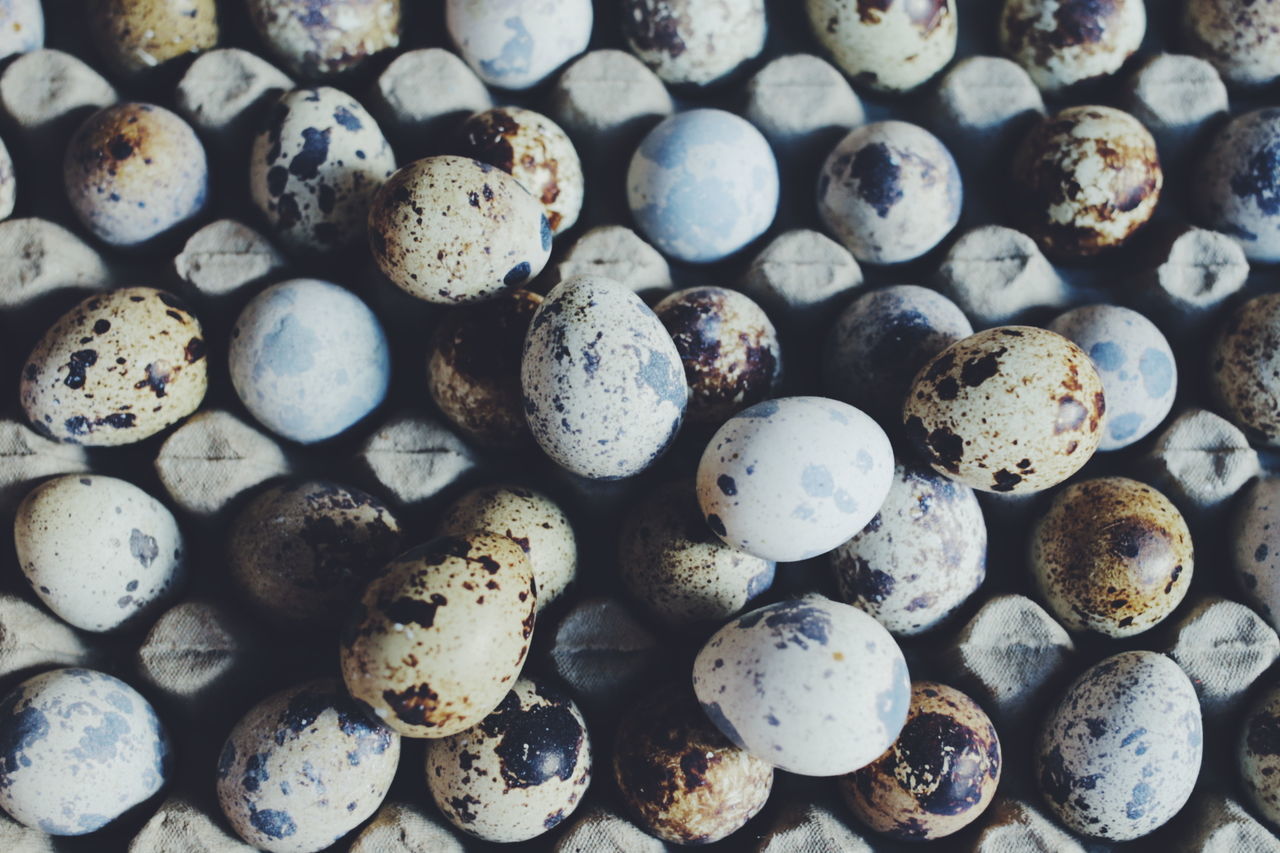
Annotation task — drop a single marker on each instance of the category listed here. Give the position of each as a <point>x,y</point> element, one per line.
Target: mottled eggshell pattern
<point>1235,186</point>
<point>1064,42</point>
<point>314,168</point>
<point>682,779</point>
<point>1010,409</point>
<point>1240,37</point>
<point>890,45</point>
<point>304,767</point>
<point>940,774</point>
<point>453,229</point>
<point>890,191</point>
<point>1255,553</point>
<point>519,772</point>
<point>117,368</point>
<point>134,36</point>
<point>702,185</point>
<point>792,478</point>
<point>133,172</point>
<point>1258,755</point>
<point>604,390</point>
<point>810,685</point>
<point>302,552</point>
<point>694,42</point>
<point>1120,753</point>
<point>1245,361</point>
<point>21,26</point>
<point>81,748</point>
<point>920,558</point>
<point>319,39</point>
<point>441,634</point>
<point>515,44</point>
<point>100,552</point>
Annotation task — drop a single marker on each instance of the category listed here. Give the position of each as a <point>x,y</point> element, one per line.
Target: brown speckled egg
<point>536,151</point>
<point>136,35</point>
<point>519,772</point>
<point>680,777</point>
<point>320,39</point>
<point>1258,755</point>
<point>1010,409</point>
<point>1245,362</point>
<point>440,635</point>
<point>887,46</point>
<point>940,774</point>
<point>1064,42</point>
<point>729,349</point>
<point>693,42</point>
<point>1240,37</point>
<point>1084,180</point>
<point>117,368</point>
<point>1111,555</point>
<point>473,369</point>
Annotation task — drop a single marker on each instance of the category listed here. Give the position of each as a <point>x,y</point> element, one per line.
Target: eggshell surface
<point>1061,44</point>
<point>889,46</point>
<point>1255,552</point>
<point>317,40</point>
<point>694,42</point>
<point>135,36</point>
<point>1240,37</point>
<point>21,26</point>
<point>1244,364</point>
<point>516,44</point>
<point>1258,755</point>
<point>1235,186</point>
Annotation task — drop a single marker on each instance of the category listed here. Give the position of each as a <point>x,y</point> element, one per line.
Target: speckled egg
<point>792,478</point>
<point>890,191</point>
<point>1240,37</point>
<point>730,350</point>
<point>1064,42</point>
<point>671,562</point>
<point>881,339</point>
<point>679,776</point>
<point>441,634</point>
<point>810,685</point>
<point>133,172</point>
<point>453,229</point>
<point>80,749</point>
<point>304,767</point>
<point>118,368</point>
<point>1255,546</point>
<point>309,359</point>
<point>319,39</point>
<point>21,26</point>
<point>515,44</point>
<point>518,773</point>
<point>702,185</point>
<point>1119,754</point>
<point>604,390</point>
<point>1010,409</point>
<point>473,368</point>
<point>302,552</point>
<point>694,42</point>
<point>940,774</point>
<point>1244,364</point>
<point>134,36</point>
<point>530,519</point>
<point>1258,755</point>
<point>100,552</point>
<point>1084,180</point>
<point>887,46</point>
<point>536,151</point>
<point>1237,187</point>
<point>314,168</point>
<point>920,558</point>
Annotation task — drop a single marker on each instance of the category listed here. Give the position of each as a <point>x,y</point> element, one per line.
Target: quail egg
<point>1236,189</point>
<point>1240,37</point>
<point>887,46</point>
<point>134,36</point>
<point>1243,369</point>
<point>1255,552</point>
<point>1073,41</point>
<point>21,27</point>
<point>1258,755</point>
<point>694,41</point>
<point>516,44</point>
<point>318,40</point>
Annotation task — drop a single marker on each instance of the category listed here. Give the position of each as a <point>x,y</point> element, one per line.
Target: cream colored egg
<point>329,38</point>
<point>890,45</point>
<point>1240,37</point>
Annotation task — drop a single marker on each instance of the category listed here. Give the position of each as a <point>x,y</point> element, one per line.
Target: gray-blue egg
<point>515,44</point>
<point>1236,187</point>
<point>309,359</point>
<point>21,26</point>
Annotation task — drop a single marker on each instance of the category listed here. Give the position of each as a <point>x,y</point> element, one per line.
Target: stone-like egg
<point>810,685</point>
<point>672,563</point>
<point>100,552</point>
<point>887,46</point>
<point>441,634</point>
<point>1137,367</point>
<point>516,44</point>
<point>1240,37</point>
<point>694,42</point>
<point>889,191</point>
<point>682,779</point>
<point>1258,755</point>
<point>134,36</point>
<point>604,390</point>
<point>792,478</point>
<point>1235,188</point>
<point>133,172</point>
<point>314,168</point>
<point>940,774</point>
<point>1119,754</point>
<point>729,348</point>
<point>702,185</point>
<point>302,552</point>
<point>1084,180</point>
<point>453,229</point>
<point>1245,360</point>
<point>1255,551</point>
<point>519,772</point>
<point>536,151</point>
<point>309,359</point>
<point>920,558</point>
<point>319,39</point>
<point>1064,42</point>
<point>304,767</point>
<point>80,749</point>
<point>1010,409</point>
<point>118,368</point>
<point>21,26</point>
<point>531,520</point>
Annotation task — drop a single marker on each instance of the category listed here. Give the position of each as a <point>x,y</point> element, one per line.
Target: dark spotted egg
<point>519,772</point>
<point>516,44</point>
<point>1245,369</point>
<point>694,42</point>
<point>1255,550</point>
<point>304,767</point>
<point>1234,190</point>
<point>317,40</point>
<point>890,45</point>
<point>1118,755</point>
<point>1258,755</point>
<point>1064,42</point>
<point>940,774</point>
<point>80,748</point>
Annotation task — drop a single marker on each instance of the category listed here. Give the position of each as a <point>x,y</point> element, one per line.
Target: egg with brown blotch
<point>694,42</point>
<point>1245,369</point>
<point>888,46</point>
<point>135,36</point>
<point>1065,42</point>
<point>1240,37</point>
<point>1258,755</point>
<point>319,40</point>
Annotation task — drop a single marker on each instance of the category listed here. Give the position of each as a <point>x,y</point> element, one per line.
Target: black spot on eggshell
<point>536,744</point>
<point>315,150</point>
<point>878,177</point>
<point>415,611</point>
<point>517,275</point>
<point>1263,737</point>
<point>79,363</point>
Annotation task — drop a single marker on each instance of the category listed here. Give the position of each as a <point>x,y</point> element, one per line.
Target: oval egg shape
<point>891,46</point>
<point>516,44</point>
<point>326,39</point>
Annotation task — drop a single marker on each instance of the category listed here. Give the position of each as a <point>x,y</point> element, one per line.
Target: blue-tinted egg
<point>515,44</point>
<point>1238,183</point>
